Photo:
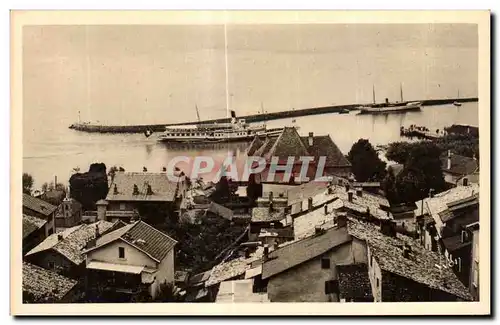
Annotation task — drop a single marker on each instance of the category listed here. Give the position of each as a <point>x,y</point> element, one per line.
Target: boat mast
<point>373,93</point>
<point>401,91</point>
<point>87,56</point>
<point>197,113</point>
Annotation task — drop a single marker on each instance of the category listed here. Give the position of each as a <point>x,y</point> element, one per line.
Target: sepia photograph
<point>214,160</point>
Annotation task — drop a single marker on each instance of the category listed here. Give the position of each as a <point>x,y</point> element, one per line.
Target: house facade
<point>33,232</point>
<point>38,208</point>
<point>69,213</point>
<point>456,168</point>
<point>131,260</point>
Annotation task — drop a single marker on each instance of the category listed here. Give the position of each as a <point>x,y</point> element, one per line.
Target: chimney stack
<point>330,189</point>
<point>115,190</point>
<point>310,138</point>
<point>341,220</point>
<point>149,190</point>
<point>144,169</point>
<point>136,190</point>
<point>271,207</point>
<point>60,237</point>
<point>310,203</point>
<point>318,230</point>
<point>449,160</point>
<point>359,192</point>
<point>164,169</point>
<point>270,197</point>
<point>349,196</point>
<point>326,208</point>
<point>97,231</point>
<point>347,188</point>
<point>465,181</point>
<point>265,255</point>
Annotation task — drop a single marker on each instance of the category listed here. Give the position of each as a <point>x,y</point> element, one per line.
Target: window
<point>325,263</point>
<point>331,287</point>
<point>121,252</point>
<point>52,266</point>
<point>378,283</point>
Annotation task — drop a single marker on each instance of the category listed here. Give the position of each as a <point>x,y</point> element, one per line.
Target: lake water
<point>158,74</point>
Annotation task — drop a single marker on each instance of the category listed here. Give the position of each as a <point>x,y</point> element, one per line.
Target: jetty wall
<point>249,118</point>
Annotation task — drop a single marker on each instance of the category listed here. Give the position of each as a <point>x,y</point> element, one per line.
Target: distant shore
<point>95,128</point>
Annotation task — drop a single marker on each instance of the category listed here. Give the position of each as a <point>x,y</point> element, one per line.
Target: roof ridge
<point>161,232</point>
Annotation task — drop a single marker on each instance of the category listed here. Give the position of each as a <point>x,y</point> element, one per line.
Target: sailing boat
<point>457,103</point>
<point>389,107</point>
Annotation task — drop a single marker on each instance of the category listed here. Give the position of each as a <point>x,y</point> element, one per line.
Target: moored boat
<point>388,107</point>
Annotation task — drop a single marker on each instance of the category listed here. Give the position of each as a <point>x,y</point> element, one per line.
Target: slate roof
<point>323,145</point>
<point>291,255</point>
<point>234,268</point>
<point>38,205</point>
<point>31,224</point>
<point>304,225</point>
<point>43,284</point>
<point>354,281</point>
<point>163,189</point>
<point>73,241</point>
<point>220,211</point>
<point>265,147</point>
<point>262,214</point>
<point>288,144</point>
<point>419,267</point>
<point>144,237</point>
<point>254,145</point>
<point>460,165</point>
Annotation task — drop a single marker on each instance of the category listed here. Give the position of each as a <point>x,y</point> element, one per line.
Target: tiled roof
<point>199,278</point>
<point>419,267</point>
<point>288,144</point>
<point>144,237</point>
<point>239,291</point>
<point>471,178</point>
<point>44,284</point>
<point>31,224</point>
<point>73,241</point>
<point>162,188</point>
<point>233,268</point>
<point>460,165</point>
<point>306,190</point>
<point>254,145</point>
<point>262,214</point>
<point>289,256</point>
<point>437,204</point>
<point>220,211</point>
<point>38,205</point>
<point>265,147</point>
<point>304,225</point>
<point>323,145</point>
<point>354,281</point>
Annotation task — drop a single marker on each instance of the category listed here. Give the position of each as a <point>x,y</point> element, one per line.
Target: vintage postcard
<point>250,163</point>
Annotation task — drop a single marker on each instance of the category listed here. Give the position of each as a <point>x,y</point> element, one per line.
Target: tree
<point>421,173</point>
<point>366,164</point>
<point>398,151</point>
<point>27,183</point>
<point>90,187</point>
<point>389,187</point>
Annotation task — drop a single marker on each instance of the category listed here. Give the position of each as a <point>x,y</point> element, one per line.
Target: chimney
<point>265,255</point>
<point>115,190</point>
<point>464,236</point>
<point>97,231</point>
<point>271,207</point>
<point>388,228</point>
<point>387,100</point>
<point>101,209</point>
<point>349,196</point>
<point>144,169</point>
<point>60,237</point>
<point>318,230</point>
<point>149,190</point>
<point>55,182</point>
<point>164,169</point>
<point>270,197</point>
<point>449,160</point>
<point>431,193</point>
<point>347,188</point>
<point>310,203</point>
<point>310,138</point>
<point>136,190</point>
<point>465,181</point>
<point>359,192</point>
<point>326,208</point>
<point>330,189</point>
<point>341,220</point>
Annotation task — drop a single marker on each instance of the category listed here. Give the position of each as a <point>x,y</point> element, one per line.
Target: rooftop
<point>304,225</point>
<point>239,291</point>
<point>162,189</point>
<point>73,241</point>
<point>422,266</point>
<point>44,284</point>
<point>233,268</point>
<point>254,145</point>
<point>460,165</point>
<point>31,224</point>
<point>354,282</point>
<point>289,256</point>
<point>262,214</point>
<point>37,205</point>
<point>220,210</point>
<point>454,243</point>
<point>142,236</point>
<point>323,145</point>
